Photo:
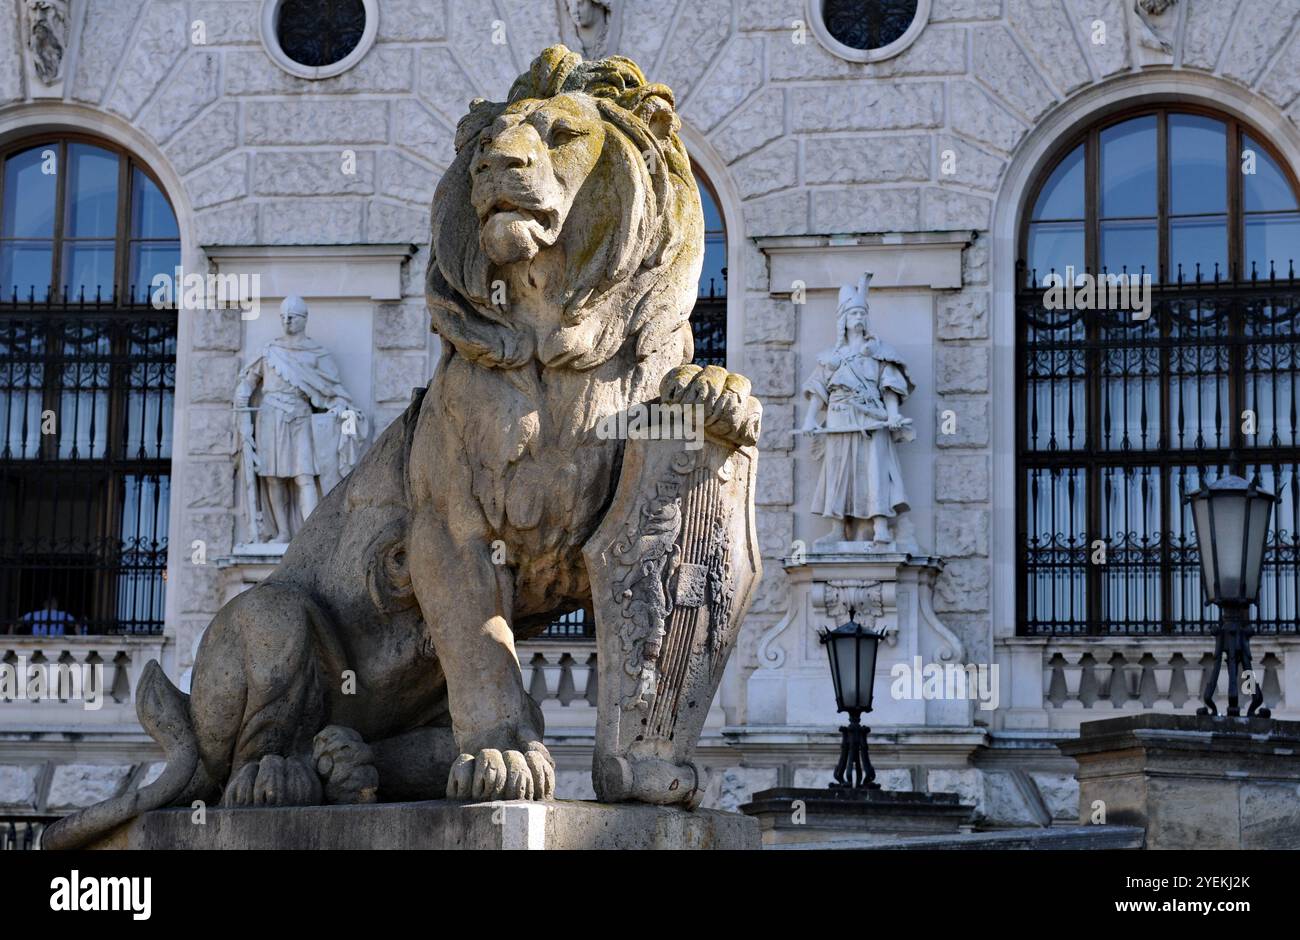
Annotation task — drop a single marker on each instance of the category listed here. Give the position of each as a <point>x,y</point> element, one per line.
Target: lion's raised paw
<point>731,412</point>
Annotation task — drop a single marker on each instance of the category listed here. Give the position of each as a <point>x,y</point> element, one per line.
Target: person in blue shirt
<point>49,620</point>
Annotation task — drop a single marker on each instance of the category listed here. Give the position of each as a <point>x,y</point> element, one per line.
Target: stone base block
<point>794,815</point>
<point>442,824</point>
<point>1193,782</point>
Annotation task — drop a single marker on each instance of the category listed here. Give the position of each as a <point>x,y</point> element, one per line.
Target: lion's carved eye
<point>562,134</point>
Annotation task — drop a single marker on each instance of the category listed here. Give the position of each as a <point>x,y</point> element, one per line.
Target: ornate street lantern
<point>1231,518</point>
<point>851,649</point>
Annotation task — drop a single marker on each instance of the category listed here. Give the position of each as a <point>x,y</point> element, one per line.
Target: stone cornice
<point>913,260</point>
<point>316,271</point>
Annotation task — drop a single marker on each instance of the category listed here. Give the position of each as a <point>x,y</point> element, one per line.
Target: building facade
<point>962,151</point>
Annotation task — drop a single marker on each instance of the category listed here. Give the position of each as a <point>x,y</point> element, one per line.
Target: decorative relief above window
<point>867,30</point>
<point>318,38</point>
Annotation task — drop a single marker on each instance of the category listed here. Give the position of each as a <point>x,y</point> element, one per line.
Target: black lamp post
<point>852,649</point>
<point>1231,518</point>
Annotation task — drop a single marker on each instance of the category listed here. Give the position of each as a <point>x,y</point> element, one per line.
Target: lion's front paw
<point>346,765</point>
<point>503,775</point>
<point>730,411</point>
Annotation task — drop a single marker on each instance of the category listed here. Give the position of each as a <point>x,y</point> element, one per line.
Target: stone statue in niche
<point>854,419</point>
<point>1150,14</point>
<point>47,35</point>
<point>591,24</point>
<point>306,436</point>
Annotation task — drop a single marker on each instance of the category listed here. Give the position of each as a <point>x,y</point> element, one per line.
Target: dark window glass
<point>868,24</point>
<point>317,33</point>
<point>709,318</point>
<point>1120,417</point>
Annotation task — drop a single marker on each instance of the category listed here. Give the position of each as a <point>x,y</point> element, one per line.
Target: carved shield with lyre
<point>673,568</point>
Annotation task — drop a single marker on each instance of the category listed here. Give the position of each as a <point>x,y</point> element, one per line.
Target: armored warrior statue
<point>854,396</point>
<point>307,435</point>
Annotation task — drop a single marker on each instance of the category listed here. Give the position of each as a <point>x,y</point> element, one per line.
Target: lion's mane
<point>633,280</point>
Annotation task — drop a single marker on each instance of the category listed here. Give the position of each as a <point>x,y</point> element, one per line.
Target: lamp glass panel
<point>1201,519</point>
<point>1260,510</point>
<point>847,666</point>
<point>1229,511</point>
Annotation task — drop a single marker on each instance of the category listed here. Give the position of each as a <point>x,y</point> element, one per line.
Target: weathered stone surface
<point>404,178</point>
<point>212,378</point>
<point>944,10</point>
<point>18,785</point>
<point>211,432</point>
<point>419,131</point>
<point>1282,83</point>
<point>150,56</point>
<point>963,315</point>
<point>220,182</point>
<point>771,14</point>
<point>783,214</point>
<point>214,134</point>
<point>970,165</point>
<point>201,588</point>
<point>774,167</point>
<point>950,210</point>
<point>209,484</point>
<point>963,586</point>
<point>413,21</point>
<point>999,62</point>
<point>533,26</point>
<point>975,632</point>
<point>1006,802</point>
<point>737,74</point>
<point>772,371</point>
<point>729,787</point>
<point>770,320</point>
<point>105,33</point>
<point>937,51</point>
<point>1060,792</point>
<point>331,221</point>
<point>389,224</point>
<point>228,225</point>
<point>975,263</point>
<point>380,71</point>
<point>880,106</point>
<point>348,123</point>
<point>401,326</point>
<point>643,30</point>
<point>574,785</point>
<point>684,63</point>
<point>76,785</point>
<point>217,328</point>
<point>866,159</point>
<point>961,532</point>
<point>1258,33</point>
<point>775,532</point>
<point>757,122</point>
<point>395,376</point>
<point>772,595</point>
<point>776,482</point>
<point>215,529</point>
<point>961,478</point>
<point>778,428</point>
<point>443,83</point>
<point>445,825</point>
<point>231,22</point>
<point>313,173</point>
<point>191,89</point>
<point>972,420</point>
<point>967,783</point>
<point>11,60</point>
<point>852,211</point>
<point>962,369</point>
<point>1207,26</point>
<point>1045,29</point>
<point>974,114</point>
<point>1112,55</point>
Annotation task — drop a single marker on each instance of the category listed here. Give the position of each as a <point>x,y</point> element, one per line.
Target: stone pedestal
<point>890,591</point>
<point>1193,782</point>
<point>442,824</point>
<point>794,815</point>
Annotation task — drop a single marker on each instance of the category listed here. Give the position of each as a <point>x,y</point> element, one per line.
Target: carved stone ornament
<point>673,568</point>
<point>592,26</point>
<point>47,37</point>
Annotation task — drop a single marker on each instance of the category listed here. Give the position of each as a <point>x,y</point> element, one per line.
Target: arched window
<point>1127,405</point>
<point>709,318</point>
<point>87,382</point>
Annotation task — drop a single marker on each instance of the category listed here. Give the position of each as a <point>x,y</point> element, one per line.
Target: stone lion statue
<point>378,660</point>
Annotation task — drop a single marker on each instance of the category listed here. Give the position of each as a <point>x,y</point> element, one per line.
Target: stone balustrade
<point>560,674</point>
<point>85,683</point>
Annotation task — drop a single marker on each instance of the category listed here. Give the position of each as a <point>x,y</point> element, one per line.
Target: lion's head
<point>578,183</point>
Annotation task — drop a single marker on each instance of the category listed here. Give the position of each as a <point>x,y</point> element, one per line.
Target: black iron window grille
<point>868,24</point>
<point>87,394</point>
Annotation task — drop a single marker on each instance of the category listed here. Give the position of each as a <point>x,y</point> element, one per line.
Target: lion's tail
<point>164,712</point>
